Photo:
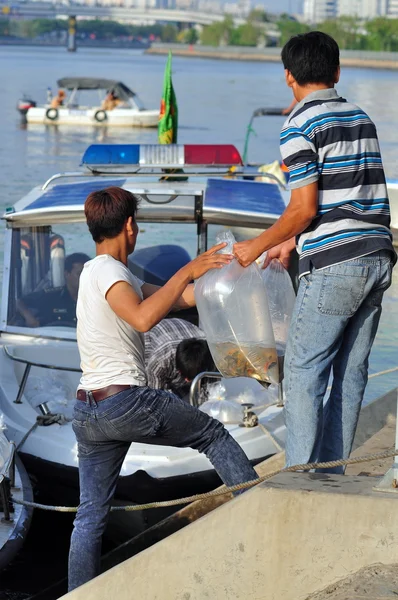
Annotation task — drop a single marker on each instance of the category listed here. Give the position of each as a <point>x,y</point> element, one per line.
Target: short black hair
<point>193,357</point>
<point>78,258</point>
<point>312,57</point>
<point>108,210</point>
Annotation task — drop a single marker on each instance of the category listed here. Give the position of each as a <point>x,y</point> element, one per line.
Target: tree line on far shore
<point>380,34</point>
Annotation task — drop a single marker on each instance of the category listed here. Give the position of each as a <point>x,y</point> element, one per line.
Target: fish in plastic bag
<point>233,311</point>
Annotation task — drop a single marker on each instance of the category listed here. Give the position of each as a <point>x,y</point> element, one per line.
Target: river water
<point>215,100</point>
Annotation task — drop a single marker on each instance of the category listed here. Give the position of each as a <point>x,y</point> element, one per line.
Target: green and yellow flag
<point>168,118</point>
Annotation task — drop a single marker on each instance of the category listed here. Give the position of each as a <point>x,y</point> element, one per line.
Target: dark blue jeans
<point>104,432</point>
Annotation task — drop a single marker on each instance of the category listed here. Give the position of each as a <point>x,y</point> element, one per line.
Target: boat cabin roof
<point>184,195</point>
<point>93,83</point>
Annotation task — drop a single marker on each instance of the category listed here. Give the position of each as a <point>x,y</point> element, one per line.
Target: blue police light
<point>112,154</point>
<point>162,155</point>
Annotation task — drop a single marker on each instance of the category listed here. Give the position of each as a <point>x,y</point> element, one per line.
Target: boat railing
<point>7,481</point>
<point>29,364</point>
<point>165,171</point>
<point>196,386</point>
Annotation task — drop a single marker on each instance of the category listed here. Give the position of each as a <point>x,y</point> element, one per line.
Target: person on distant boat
<point>110,101</point>
<point>288,110</point>
<point>114,405</point>
<point>58,100</point>
<point>55,305</point>
<point>339,214</point>
<point>175,352</point>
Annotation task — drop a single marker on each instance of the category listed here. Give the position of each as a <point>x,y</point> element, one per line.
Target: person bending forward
<point>114,407</point>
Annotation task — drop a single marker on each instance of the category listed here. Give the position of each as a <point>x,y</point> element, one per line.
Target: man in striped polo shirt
<point>338,217</point>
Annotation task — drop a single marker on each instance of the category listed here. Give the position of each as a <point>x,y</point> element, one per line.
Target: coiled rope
<point>225,490</point>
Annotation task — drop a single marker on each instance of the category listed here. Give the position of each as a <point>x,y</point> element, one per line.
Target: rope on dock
<point>386,372</point>
<point>225,490</point>
<point>59,418</point>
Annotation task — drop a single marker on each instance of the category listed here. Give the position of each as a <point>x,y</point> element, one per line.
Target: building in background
<point>392,8</point>
<point>364,9</point>
<point>315,11</point>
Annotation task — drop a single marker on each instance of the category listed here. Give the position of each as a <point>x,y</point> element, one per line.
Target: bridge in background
<point>49,10</point>
<point>27,9</point>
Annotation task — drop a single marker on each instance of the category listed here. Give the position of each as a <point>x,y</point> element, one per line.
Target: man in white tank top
<point>114,407</point>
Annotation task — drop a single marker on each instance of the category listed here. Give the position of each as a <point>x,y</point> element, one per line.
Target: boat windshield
<point>90,98</point>
<point>46,263</point>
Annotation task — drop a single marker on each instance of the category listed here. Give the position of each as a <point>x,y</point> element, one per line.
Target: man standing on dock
<point>114,406</point>
<point>339,211</point>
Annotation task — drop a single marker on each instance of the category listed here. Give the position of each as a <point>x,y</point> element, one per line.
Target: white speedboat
<point>79,109</point>
<point>14,485</point>
<point>39,365</point>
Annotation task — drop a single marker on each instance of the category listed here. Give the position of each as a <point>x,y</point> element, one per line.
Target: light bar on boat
<point>161,155</point>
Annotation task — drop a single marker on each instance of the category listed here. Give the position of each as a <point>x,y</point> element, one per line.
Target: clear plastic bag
<point>234,314</point>
<point>53,390</point>
<point>281,299</point>
<point>218,407</point>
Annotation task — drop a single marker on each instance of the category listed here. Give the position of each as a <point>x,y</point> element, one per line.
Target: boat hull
<point>13,533</point>
<point>94,117</point>
<point>59,484</point>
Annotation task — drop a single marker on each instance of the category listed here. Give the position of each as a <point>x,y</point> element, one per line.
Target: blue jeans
<point>334,324</point>
<point>104,432</point>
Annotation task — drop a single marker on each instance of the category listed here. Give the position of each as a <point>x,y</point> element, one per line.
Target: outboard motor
<point>24,104</point>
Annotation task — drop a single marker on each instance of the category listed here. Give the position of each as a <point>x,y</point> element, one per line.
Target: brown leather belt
<point>103,393</point>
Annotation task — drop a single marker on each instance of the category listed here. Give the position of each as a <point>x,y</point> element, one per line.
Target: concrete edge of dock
<point>289,537</point>
<point>261,55</point>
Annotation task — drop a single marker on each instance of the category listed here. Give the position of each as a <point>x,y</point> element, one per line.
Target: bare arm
<point>186,300</point>
<point>282,252</point>
<point>288,110</point>
<point>142,315</point>
<point>298,215</point>
<point>30,320</point>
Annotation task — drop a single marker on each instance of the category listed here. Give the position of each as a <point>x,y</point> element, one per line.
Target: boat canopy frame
<point>207,197</point>
<point>190,196</point>
<point>121,90</point>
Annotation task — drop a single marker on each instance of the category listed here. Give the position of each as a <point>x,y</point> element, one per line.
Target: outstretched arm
<point>288,110</point>
<point>142,315</point>
<point>298,215</point>
<point>186,300</point>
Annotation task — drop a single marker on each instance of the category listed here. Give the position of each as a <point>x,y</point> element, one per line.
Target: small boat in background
<point>14,485</point>
<point>78,110</point>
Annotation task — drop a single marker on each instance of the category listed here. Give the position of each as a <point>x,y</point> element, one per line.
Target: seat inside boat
<point>157,264</point>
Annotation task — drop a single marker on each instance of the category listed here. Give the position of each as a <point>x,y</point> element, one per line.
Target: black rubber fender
<point>52,114</point>
<point>100,116</point>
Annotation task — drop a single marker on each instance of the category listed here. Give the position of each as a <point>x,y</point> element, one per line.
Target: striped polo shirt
<point>332,142</point>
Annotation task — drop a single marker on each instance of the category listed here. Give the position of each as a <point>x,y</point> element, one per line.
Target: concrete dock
<point>295,537</point>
